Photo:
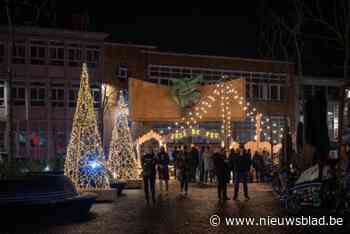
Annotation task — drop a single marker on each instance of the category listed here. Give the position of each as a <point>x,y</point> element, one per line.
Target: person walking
<point>221,171</point>
<point>148,162</point>
<point>201,164</point>
<point>175,156</point>
<point>258,165</point>
<point>242,168</point>
<point>163,169</point>
<point>183,164</point>
<point>231,162</point>
<point>211,168</point>
<point>206,161</point>
<point>194,154</point>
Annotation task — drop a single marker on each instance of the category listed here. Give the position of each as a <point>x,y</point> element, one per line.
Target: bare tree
<point>335,19</point>
<point>282,38</point>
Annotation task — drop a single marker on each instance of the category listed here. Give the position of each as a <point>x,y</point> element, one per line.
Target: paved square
<point>175,214</point>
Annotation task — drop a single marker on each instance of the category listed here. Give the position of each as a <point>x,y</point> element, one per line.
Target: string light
<point>122,159</point>
<point>85,163</point>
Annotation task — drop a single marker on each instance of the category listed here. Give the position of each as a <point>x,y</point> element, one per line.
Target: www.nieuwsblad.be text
<point>215,221</point>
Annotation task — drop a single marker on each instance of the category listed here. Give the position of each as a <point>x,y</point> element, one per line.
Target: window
<point>259,91</point>
<point>19,52</point>
<point>57,95</point>
<point>60,139</point>
<point>73,95</point>
<point>260,86</point>
<point>2,52</point>
<point>92,55</point>
<point>332,120</point>
<point>274,92</point>
<point>2,94</point>
<point>244,131</point>
<point>283,93</point>
<point>18,93</point>
<point>320,89</point>
<point>122,72</point>
<point>38,52</point>
<point>37,139</point>
<point>56,53</point>
<point>307,91</point>
<point>248,91</point>
<point>2,136</point>
<point>96,95</point>
<point>74,55</point>
<point>37,94</point>
<point>333,93</point>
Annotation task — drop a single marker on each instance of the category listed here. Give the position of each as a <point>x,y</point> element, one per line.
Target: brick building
<point>46,66</point>
<point>270,85</point>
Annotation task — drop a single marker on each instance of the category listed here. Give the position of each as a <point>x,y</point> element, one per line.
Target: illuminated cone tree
<point>85,162</point>
<point>122,158</point>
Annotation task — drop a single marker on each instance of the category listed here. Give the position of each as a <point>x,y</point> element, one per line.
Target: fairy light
<point>85,163</point>
<point>122,158</point>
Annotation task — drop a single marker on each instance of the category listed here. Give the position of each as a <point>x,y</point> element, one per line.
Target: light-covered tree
<point>122,158</point>
<point>85,161</point>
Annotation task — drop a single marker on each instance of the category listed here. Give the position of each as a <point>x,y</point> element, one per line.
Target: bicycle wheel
<point>293,204</point>
<point>276,186</point>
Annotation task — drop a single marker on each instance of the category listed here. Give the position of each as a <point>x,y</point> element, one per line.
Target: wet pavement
<point>176,214</point>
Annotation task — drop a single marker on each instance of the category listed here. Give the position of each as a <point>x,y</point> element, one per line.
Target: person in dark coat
<point>231,162</point>
<point>163,168</point>
<point>201,164</point>
<point>258,164</point>
<point>175,156</point>
<point>148,162</point>
<point>183,164</point>
<point>194,163</point>
<point>242,168</point>
<point>221,171</point>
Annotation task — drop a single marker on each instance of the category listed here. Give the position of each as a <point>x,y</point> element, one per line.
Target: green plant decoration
<point>185,92</point>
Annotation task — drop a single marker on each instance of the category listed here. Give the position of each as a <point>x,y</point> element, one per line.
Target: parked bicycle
<point>332,193</point>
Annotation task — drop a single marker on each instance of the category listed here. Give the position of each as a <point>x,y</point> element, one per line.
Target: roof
<point>110,43</point>
<point>40,31</point>
<point>322,80</point>
<point>216,57</point>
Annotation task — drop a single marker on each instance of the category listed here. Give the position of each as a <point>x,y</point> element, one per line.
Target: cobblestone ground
<point>176,214</point>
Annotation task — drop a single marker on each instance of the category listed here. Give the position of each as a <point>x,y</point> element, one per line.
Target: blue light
<point>94,165</point>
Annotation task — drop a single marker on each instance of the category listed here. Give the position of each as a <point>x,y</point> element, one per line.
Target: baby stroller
<point>309,191</point>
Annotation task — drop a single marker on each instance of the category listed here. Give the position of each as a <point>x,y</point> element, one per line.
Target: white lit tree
<point>85,161</point>
<point>122,158</point>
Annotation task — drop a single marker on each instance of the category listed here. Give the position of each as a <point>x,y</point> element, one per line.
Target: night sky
<point>203,28</point>
<point>183,28</point>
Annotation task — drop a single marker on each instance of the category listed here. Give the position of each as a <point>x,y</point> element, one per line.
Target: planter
<point>42,194</point>
<point>118,186</point>
<point>133,184</point>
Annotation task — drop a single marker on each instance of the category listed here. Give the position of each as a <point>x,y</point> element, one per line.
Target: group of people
<point>205,165</point>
